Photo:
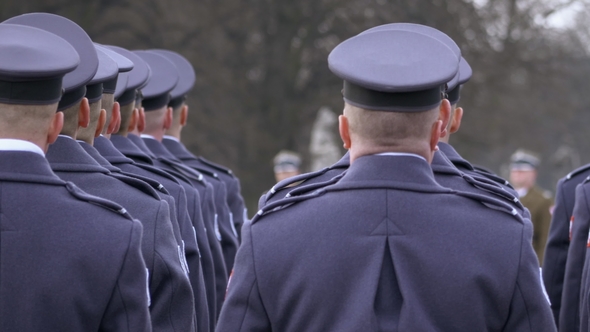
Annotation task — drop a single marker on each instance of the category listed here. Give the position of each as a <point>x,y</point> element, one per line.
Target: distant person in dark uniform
<point>171,301</point>
<point>560,236</point>
<point>287,164</point>
<point>68,261</point>
<point>523,176</point>
<point>386,247</point>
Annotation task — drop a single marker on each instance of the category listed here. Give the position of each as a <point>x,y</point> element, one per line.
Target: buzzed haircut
<point>87,134</point>
<point>70,127</point>
<point>108,100</point>
<point>384,128</point>
<point>18,119</point>
<point>154,119</point>
<point>126,113</point>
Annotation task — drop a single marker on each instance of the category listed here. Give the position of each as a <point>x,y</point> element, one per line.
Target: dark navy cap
<point>186,74</point>
<point>74,83</point>
<point>107,71</point>
<point>123,65</point>
<point>393,70</point>
<point>122,80</point>
<point>138,76</point>
<point>156,93</point>
<point>429,31</point>
<point>33,63</point>
<point>465,73</point>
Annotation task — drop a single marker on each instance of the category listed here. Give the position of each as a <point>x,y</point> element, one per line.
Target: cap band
<point>44,92</point>
<point>110,86</point>
<point>392,101</point>
<point>176,102</point>
<point>94,92</point>
<point>152,104</point>
<point>454,95</point>
<point>70,98</point>
<point>127,97</point>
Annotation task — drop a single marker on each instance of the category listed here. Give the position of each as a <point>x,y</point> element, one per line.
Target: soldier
<point>365,253</point>
<point>229,241</point>
<point>286,165</point>
<point>69,261</point>
<point>171,301</point>
<point>114,158</point>
<point>523,175</point>
<point>558,242</point>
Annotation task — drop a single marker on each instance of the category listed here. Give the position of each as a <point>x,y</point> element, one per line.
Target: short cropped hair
<point>385,129</point>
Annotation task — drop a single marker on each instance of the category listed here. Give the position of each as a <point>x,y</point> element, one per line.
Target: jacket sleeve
<point>529,309</point>
<point>570,297</point>
<point>243,309</point>
<point>236,205</point>
<point>127,309</point>
<point>172,305</point>
<point>556,251</point>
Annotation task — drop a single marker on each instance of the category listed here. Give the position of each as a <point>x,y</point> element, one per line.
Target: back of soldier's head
<point>394,82</point>
<point>33,63</point>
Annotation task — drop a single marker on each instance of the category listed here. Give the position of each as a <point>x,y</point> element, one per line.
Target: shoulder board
<point>153,183</point>
<point>492,188</point>
<point>306,189</point>
<point>285,202</point>
<point>577,171</point>
<point>216,166</point>
<point>492,203</point>
<point>157,171</point>
<point>296,179</point>
<point>204,171</point>
<point>110,205</point>
<point>137,184</point>
<point>187,172</point>
<point>496,178</point>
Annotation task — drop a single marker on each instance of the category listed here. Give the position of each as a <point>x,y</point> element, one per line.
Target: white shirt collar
<point>66,136</point>
<point>172,138</point>
<point>400,154</point>
<point>147,136</point>
<point>522,192</point>
<point>8,144</point>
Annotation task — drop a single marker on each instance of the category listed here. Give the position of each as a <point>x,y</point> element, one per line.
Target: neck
<point>158,135</point>
<point>423,150</point>
<point>446,138</point>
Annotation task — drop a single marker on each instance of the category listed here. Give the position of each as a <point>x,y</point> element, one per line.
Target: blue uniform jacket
<point>558,241</point>
<point>235,201</point>
<point>68,261</point>
<point>387,248</point>
<point>172,305</point>
<point>195,206</point>
<point>109,157</point>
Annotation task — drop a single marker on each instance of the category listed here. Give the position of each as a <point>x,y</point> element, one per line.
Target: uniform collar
<point>9,144</point>
<point>96,156</point>
<point>172,138</point>
<point>141,145</point>
<point>400,154</point>
<point>399,171</point>
<point>454,156</point>
<point>105,147</point>
<point>130,149</point>
<point>178,149</point>
<point>158,149</point>
<point>67,155</point>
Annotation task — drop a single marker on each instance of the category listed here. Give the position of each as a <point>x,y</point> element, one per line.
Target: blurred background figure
<point>287,164</point>
<point>324,146</point>
<point>523,176</point>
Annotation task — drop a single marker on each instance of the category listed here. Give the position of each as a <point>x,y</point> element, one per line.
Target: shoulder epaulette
<point>302,190</point>
<point>157,171</point>
<point>137,184</point>
<point>188,172</point>
<point>110,205</point>
<point>283,203</point>
<point>491,187</point>
<point>155,184</point>
<point>577,171</point>
<point>216,166</point>
<point>204,171</point>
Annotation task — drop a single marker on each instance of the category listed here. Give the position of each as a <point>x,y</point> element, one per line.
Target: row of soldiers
<point>401,234</point>
<point>108,223</point>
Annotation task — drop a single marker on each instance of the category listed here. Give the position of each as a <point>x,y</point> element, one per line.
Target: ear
<point>102,118</point>
<point>57,123</point>
<point>435,134</point>
<point>168,118</point>
<point>344,129</point>
<point>183,115</point>
<point>84,113</point>
<point>141,122</point>
<point>456,120</point>
<point>115,118</point>
<point>134,120</point>
<point>444,116</point>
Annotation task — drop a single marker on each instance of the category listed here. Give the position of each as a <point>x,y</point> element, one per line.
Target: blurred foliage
<point>262,71</point>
